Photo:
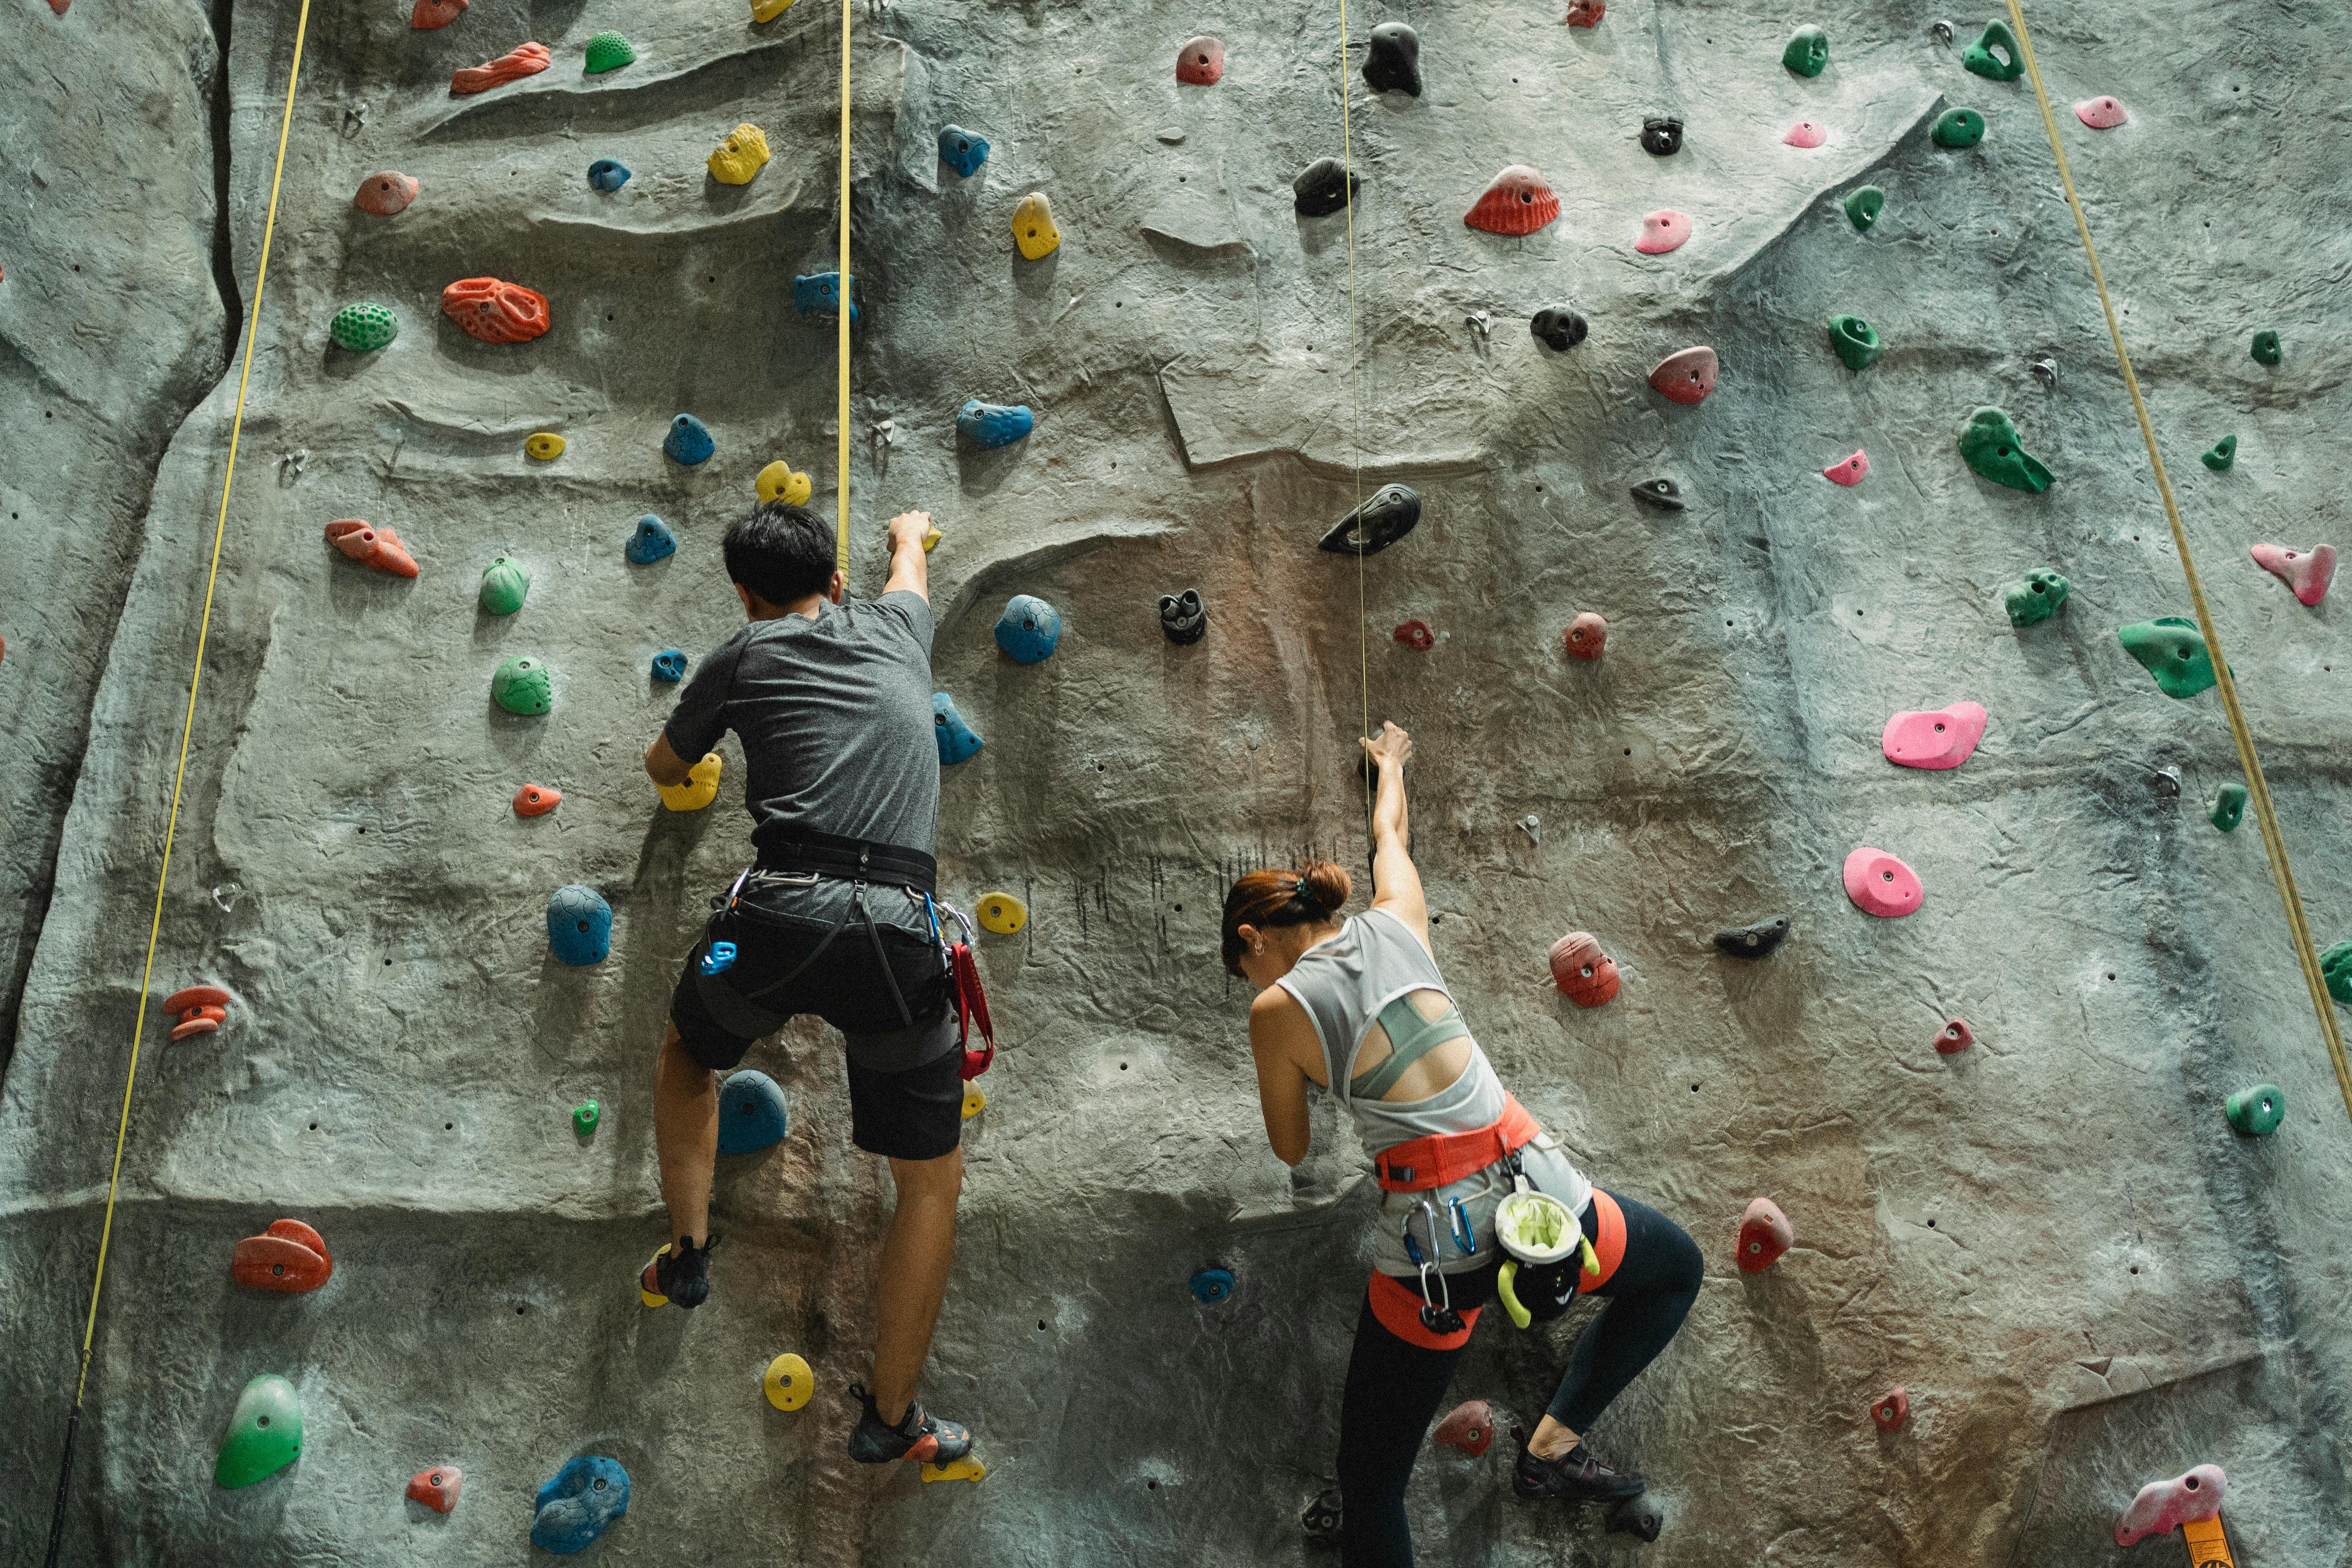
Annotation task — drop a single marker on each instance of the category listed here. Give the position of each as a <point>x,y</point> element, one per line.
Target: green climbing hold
<point>364,329</point>
<point>2224,453</point>
<point>265,1434</point>
<point>504,584</point>
<point>609,52</point>
<point>2229,806</point>
<point>2037,599</point>
<point>1807,52</point>
<point>1957,128</point>
<point>1862,208</point>
<point>2257,1111</point>
<point>521,686</point>
<point>585,1116</point>
<point>2266,348</point>
<point>2336,968</point>
<point>1979,57</point>
<point>1856,340</point>
<point>2173,653</point>
<point>1989,445</point>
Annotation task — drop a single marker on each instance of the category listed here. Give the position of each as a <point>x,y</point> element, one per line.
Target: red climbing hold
<point>495,311</point>
<point>1515,200</point>
<point>1415,634</point>
<point>1881,885</point>
<point>289,1257</point>
<point>201,1009</point>
<point>379,547</point>
<point>1764,1234</point>
<point>2161,1505</point>
<point>1806,133</point>
<point>1891,1409</point>
<point>523,60</point>
<point>1585,12</point>
<point>1587,635</point>
<point>536,800</point>
<point>1688,376</point>
<point>436,1488</point>
<point>60,7</point>
<point>385,193</point>
<point>2101,113</point>
<point>1942,738</point>
<point>1201,61</point>
<point>1585,975</point>
<point>1662,231</point>
<point>432,14</point>
<point>1469,1427</point>
<point>1955,1038</point>
<point>1850,472</point>
<point>2308,572</point>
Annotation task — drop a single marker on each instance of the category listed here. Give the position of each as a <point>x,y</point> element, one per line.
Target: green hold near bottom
<point>2257,1111</point>
<point>2229,807</point>
<point>2266,349</point>
<point>2224,453</point>
<point>1989,445</point>
<point>1957,128</point>
<point>1863,206</point>
<point>1856,340</point>
<point>2174,653</point>
<point>364,329</point>
<point>521,686</point>
<point>2037,599</point>
<point>265,1434</point>
<point>504,584</point>
<point>2336,968</point>
<point>585,1116</point>
<point>609,52</point>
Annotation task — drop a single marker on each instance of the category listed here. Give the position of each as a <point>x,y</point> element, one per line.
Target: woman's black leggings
<point>1394,1387</point>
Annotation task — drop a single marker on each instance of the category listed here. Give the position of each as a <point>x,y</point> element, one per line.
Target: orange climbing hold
<point>495,311</point>
<point>432,14</point>
<point>1587,635</point>
<point>201,1009</point>
<point>1469,1427</point>
<point>536,800</point>
<point>379,547</point>
<point>437,1488</point>
<point>523,60</point>
<point>1689,377</point>
<point>1765,1234</point>
<point>1517,200</point>
<point>1585,975</point>
<point>385,192</point>
<point>289,1257</point>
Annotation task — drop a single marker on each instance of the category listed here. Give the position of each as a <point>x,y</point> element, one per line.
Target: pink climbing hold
<point>1415,634</point>
<point>1201,61</point>
<point>523,60</point>
<point>60,7</point>
<point>437,1488</point>
<point>1765,1234</point>
<point>1662,231</point>
<point>2163,1506</point>
<point>1587,635</point>
<point>1585,12</point>
<point>432,14</point>
<point>379,547</point>
<point>1688,376</point>
<point>385,192</point>
<point>1891,1409</point>
<point>1945,738</point>
<point>1954,1038</point>
<point>1849,472</point>
<point>1517,201</point>
<point>1881,885</point>
<point>1469,1427</point>
<point>1806,133</point>
<point>2101,113</point>
<point>2308,572</point>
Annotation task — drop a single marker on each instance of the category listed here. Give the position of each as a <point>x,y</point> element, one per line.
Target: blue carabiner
<point>719,959</point>
<point>1465,1234</point>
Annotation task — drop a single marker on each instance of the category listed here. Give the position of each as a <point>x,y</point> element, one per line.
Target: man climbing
<point>832,703</point>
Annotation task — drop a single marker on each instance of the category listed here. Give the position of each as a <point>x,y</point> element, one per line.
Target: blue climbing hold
<point>993,424</point>
<point>1211,1286</point>
<point>670,664</point>
<point>586,1495</point>
<point>608,174</point>
<point>962,150</point>
<point>579,925</point>
<point>819,294</point>
<point>955,739</point>
<point>688,440</point>
<point>651,542</point>
<point>750,1113</point>
<point>1028,629</point>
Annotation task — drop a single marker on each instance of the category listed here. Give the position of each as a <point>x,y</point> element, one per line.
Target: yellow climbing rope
<point>2273,842</point>
<point>841,340</point>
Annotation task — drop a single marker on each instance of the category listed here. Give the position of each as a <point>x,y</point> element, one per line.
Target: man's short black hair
<point>781,552</point>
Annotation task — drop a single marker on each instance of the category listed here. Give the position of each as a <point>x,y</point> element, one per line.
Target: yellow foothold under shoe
<point>964,1470</point>
<point>1002,914</point>
<point>741,156</point>
<point>700,788</point>
<point>545,445</point>
<point>974,1102</point>
<point>652,1298</point>
<point>789,1381</point>
<point>1033,226</point>
<point>778,482</point>
<point>769,10</point>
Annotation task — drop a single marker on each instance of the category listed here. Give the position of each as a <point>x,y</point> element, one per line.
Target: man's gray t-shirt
<point>835,715</point>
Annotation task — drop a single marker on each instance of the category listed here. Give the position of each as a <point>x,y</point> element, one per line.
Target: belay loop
<point>971,1007</point>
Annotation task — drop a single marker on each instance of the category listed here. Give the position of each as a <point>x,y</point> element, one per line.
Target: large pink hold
<point>2163,1506</point>
<point>1881,885</point>
<point>1806,133</point>
<point>523,60</point>
<point>1688,376</point>
<point>1849,472</point>
<point>1944,738</point>
<point>2308,572</point>
<point>1662,231</point>
<point>2101,113</point>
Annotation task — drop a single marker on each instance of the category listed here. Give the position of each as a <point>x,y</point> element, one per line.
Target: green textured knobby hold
<point>521,686</point>
<point>364,329</point>
<point>2224,453</point>
<point>2037,599</point>
<point>2256,1111</point>
<point>1980,58</point>
<point>2336,968</point>
<point>1856,340</point>
<point>585,1116</point>
<point>504,584</point>
<point>2266,348</point>
<point>609,52</point>
<point>2229,807</point>
<point>265,1434</point>
<point>1989,445</point>
<point>2173,652</point>
<point>1808,51</point>
<point>1862,208</point>
<point>1957,128</point>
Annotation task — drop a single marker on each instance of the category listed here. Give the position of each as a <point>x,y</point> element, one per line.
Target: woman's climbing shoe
<point>874,1441</point>
<point>1575,1477</point>
<point>677,1276</point>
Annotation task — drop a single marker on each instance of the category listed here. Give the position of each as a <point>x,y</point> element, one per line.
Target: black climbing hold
<point>1185,617</point>
<point>1661,135</point>
<point>1558,326</point>
<point>1322,1517</point>
<point>1387,515</point>
<point>1392,61</point>
<point>1323,188</point>
<point>1663,494</point>
<point>1638,1516</point>
<point>1756,941</point>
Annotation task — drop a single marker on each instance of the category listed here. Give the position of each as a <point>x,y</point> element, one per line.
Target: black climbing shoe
<point>677,1276</point>
<point>874,1441</point>
<point>1575,1477</point>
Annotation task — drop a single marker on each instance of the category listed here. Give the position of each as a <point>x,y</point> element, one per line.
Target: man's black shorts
<point>880,980</point>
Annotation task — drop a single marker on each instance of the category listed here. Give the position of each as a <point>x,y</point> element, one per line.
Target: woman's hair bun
<point>1325,884</point>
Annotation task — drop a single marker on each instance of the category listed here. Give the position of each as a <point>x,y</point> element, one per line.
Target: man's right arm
<point>910,569</point>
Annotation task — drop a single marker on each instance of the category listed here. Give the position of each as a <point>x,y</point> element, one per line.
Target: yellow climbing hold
<point>789,1381</point>
<point>544,445</point>
<point>974,1101</point>
<point>929,540</point>
<point>743,155</point>
<point>1002,914</point>
<point>1033,226</point>
<point>700,788</point>
<point>652,1298</point>
<point>964,1470</point>
<point>778,482</point>
<point>769,10</point>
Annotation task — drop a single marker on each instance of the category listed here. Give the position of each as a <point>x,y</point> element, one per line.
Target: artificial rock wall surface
<point>2053,1241</point>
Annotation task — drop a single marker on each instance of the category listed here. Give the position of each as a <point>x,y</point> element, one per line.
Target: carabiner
<point>1438,1318</point>
<point>1465,1234</point>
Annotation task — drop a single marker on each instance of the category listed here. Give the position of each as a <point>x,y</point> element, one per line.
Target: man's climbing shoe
<point>1575,1477</point>
<point>677,1276</point>
<point>874,1441</point>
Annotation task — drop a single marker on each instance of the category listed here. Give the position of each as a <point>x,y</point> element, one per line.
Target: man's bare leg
<point>916,1256</point>
<point>685,1137</point>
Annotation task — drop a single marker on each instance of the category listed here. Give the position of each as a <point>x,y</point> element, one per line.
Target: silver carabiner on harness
<point>1438,1317</point>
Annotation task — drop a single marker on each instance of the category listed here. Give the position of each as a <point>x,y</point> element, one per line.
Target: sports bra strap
<point>1411,1037</point>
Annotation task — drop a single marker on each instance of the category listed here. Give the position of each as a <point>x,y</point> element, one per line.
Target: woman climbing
<point>1357,1006</point>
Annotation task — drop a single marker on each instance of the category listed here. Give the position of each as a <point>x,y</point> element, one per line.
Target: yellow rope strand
<point>2273,842</point>
<point>841,342</point>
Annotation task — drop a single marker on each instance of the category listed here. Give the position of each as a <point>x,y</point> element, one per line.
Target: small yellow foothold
<point>974,1102</point>
<point>1033,226</point>
<point>789,1381</point>
<point>700,788</point>
<point>929,540</point>
<point>741,156</point>
<point>777,481</point>
<point>964,1470</point>
<point>652,1298</point>
<point>769,10</point>
<point>544,445</point>
<point>1002,914</point>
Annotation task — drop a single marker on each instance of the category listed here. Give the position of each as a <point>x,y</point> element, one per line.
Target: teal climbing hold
<point>994,423</point>
<point>957,740</point>
<point>819,294</point>
<point>751,1112</point>
<point>504,584</point>
<point>576,1508</point>
<point>1211,1286</point>
<point>608,174</point>
<point>2229,807</point>
<point>2223,453</point>
<point>651,541</point>
<point>1957,128</point>
<point>579,925</point>
<point>265,1433</point>
<point>2036,599</point>
<point>670,665</point>
<point>364,329</point>
<point>609,52</point>
<point>688,440</point>
<point>2256,1111</point>
<point>2266,347</point>
<point>962,150</point>
<point>1807,51</point>
<point>1856,340</point>
<point>1028,629</point>
<point>522,686</point>
<point>1863,206</point>
<point>1989,445</point>
<point>2336,968</point>
<point>1995,53</point>
<point>2173,653</point>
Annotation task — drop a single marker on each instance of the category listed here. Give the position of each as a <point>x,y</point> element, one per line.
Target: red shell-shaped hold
<point>1587,635</point>
<point>1891,1409</point>
<point>1662,231</point>
<point>1764,1234</point>
<point>2308,572</point>
<point>1850,472</point>
<point>437,1488</point>
<point>288,1257</point>
<point>1688,376</point>
<point>432,14</point>
<point>385,192</point>
<point>536,800</point>
<point>379,547</point>
<point>60,7</point>
<point>1955,1038</point>
<point>1585,975</point>
<point>523,60</point>
<point>1201,61</point>
<point>495,311</point>
<point>1881,885</point>
<point>1586,12</point>
<point>1415,634</point>
<point>1469,1427</point>
<point>1515,200</point>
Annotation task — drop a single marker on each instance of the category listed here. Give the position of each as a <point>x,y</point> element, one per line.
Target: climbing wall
<point>2053,1241</point>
